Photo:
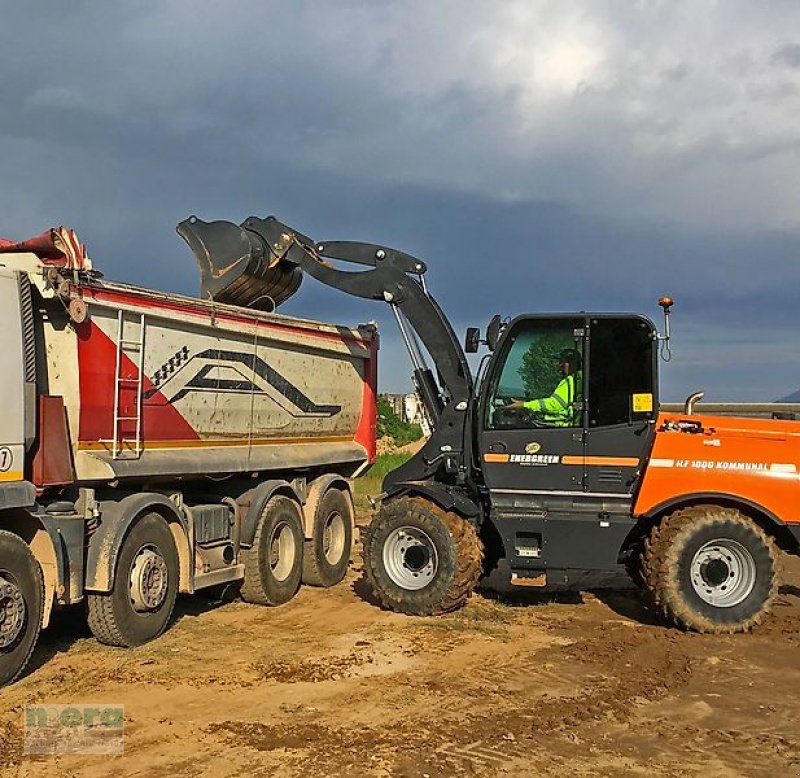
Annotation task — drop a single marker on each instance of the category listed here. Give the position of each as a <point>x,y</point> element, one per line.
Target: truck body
<point>122,401</point>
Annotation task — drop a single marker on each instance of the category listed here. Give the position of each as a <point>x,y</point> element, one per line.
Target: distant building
<point>409,408</point>
<point>397,401</point>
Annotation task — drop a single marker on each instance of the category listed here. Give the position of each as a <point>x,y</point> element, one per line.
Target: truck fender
<point>254,500</point>
<point>787,534</point>
<point>316,490</point>
<point>116,519</point>
<point>446,497</point>
<point>47,549</point>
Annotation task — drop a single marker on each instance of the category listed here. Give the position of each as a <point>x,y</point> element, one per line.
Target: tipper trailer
<point>153,443</point>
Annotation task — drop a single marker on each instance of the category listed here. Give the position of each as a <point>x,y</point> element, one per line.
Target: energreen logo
<point>74,729</point>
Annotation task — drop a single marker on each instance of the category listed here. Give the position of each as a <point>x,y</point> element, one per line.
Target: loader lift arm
<point>395,278</point>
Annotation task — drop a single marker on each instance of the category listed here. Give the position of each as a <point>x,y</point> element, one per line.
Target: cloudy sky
<point>541,156</point>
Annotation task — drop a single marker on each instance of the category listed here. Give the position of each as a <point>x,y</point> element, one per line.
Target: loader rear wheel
<point>710,569</point>
<point>274,564</point>
<point>21,605</point>
<point>140,603</point>
<point>327,554</point>
<point>420,559</point>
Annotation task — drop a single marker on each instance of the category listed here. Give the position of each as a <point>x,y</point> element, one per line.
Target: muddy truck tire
<point>327,554</point>
<point>139,606</point>
<point>420,559</point>
<point>711,569</point>
<point>21,605</point>
<point>273,565</point>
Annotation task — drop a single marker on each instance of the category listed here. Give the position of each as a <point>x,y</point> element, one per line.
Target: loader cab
<point>561,487</point>
<point>596,426</point>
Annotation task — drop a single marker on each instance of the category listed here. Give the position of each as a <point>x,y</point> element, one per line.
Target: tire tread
<point>40,581</point>
<point>660,560</point>
<point>469,556</point>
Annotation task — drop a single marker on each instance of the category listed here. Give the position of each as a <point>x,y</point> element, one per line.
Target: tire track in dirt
<point>332,685</point>
<point>530,695</point>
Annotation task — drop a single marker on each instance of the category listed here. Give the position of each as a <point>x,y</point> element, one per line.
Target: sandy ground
<point>332,685</point>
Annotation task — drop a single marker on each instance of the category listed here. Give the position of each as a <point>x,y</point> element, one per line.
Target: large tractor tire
<point>274,564</point>
<point>420,559</point>
<point>634,566</point>
<point>139,606</point>
<point>21,605</point>
<point>708,568</point>
<point>327,554</point>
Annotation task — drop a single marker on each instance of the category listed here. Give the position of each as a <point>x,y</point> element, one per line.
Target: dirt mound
<point>413,447</point>
<point>386,445</point>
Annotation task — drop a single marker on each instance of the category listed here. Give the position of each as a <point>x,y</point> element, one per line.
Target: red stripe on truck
<point>367,430</point>
<point>97,355</point>
<point>141,299</point>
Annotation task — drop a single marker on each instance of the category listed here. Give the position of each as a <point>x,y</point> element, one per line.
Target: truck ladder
<point>118,445</point>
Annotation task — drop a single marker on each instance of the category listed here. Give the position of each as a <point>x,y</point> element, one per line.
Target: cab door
<point>622,401</point>
<point>521,453</point>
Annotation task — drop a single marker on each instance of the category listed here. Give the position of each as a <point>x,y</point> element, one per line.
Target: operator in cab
<point>558,410</point>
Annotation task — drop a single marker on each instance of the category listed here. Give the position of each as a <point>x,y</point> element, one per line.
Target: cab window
<point>620,371</point>
<point>538,382</point>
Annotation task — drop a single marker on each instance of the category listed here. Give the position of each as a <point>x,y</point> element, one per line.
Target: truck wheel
<point>274,564</point>
<point>140,603</point>
<point>21,605</point>
<point>327,554</point>
<point>420,559</point>
<point>710,569</point>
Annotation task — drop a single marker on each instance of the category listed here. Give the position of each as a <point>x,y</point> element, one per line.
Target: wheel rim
<point>149,580</point>
<point>410,558</point>
<point>723,573</point>
<point>333,535</point>
<point>12,611</point>
<point>281,551</point>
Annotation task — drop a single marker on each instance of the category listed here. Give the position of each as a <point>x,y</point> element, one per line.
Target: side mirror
<point>493,331</point>
<point>472,340</point>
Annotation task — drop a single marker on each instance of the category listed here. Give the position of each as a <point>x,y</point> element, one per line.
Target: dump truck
<point>558,462</point>
<point>154,443</point>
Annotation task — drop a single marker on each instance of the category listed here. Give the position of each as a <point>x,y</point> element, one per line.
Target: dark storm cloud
<point>788,54</point>
<point>540,157</point>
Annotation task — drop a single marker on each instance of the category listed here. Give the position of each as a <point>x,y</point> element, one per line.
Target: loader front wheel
<point>274,564</point>
<point>140,603</point>
<point>420,559</point>
<point>21,604</point>
<point>710,568</point>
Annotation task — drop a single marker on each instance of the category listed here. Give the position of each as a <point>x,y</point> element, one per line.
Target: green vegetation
<point>370,484</point>
<point>389,423</point>
<point>539,369</point>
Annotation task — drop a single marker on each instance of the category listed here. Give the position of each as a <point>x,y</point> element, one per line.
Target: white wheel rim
<point>149,580</point>
<point>12,612</point>
<point>723,573</point>
<point>410,558</point>
<point>333,535</point>
<point>281,551</point>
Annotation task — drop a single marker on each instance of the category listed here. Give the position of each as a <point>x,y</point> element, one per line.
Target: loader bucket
<point>235,269</point>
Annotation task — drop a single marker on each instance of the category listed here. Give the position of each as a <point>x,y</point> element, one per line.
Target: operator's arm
<point>556,406</point>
